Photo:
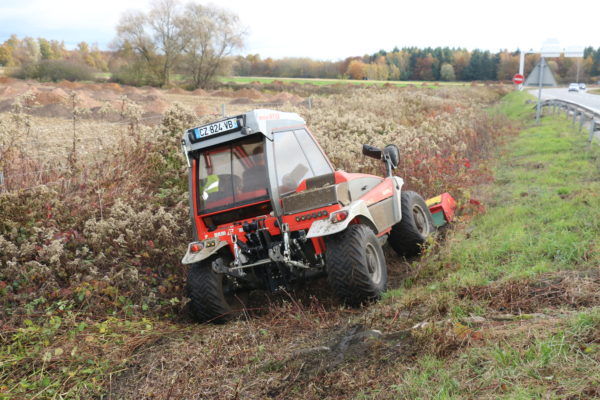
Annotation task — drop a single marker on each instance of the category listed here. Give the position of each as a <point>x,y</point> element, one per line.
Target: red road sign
<point>518,79</point>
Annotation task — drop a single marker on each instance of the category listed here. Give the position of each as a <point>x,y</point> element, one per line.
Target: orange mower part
<point>442,209</point>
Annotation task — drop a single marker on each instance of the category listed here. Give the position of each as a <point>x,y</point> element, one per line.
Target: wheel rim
<point>420,220</point>
<point>373,263</point>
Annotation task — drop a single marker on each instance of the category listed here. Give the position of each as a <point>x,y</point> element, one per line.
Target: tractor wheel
<point>408,235</point>
<point>212,296</point>
<point>356,265</point>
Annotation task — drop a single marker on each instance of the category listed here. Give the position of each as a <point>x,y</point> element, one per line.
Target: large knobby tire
<point>212,298</point>
<point>408,236</point>
<point>356,266</point>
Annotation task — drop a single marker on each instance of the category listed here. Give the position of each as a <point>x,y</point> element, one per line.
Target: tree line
<point>428,64</point>
<point>196,43</point>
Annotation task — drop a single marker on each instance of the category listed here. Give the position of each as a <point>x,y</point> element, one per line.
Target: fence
<point>579,114</point>
<point>60,173</point>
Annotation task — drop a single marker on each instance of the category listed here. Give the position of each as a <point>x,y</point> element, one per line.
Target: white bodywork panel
<point>357,208</point>
<point>325,227</point>
<point>191,258</point>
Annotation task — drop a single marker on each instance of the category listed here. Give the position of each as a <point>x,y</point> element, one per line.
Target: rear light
<point>339,216</point>
<point>196,247</point>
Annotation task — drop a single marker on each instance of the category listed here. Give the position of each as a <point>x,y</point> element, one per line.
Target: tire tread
<point>346,266</point>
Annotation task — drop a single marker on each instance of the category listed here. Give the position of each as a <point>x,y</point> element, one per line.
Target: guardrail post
<point>574,117</point>
<point>592,129</point>
<point>2,182</point>
<point>581,120</point>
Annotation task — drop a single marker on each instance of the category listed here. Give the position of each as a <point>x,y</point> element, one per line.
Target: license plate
<point>217,127</point>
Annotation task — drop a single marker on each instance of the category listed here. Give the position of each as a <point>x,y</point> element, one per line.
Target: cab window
<point>231,175</point>
<point>318,162</point>
<point>293,150</point>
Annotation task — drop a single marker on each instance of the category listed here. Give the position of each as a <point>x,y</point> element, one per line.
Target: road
<point>583,98</point>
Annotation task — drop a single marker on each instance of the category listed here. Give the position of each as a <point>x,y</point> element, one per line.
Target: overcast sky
<point>332,30</point>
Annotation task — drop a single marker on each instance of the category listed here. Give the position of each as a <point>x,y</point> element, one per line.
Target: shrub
<point>135,74</point>
<point>55,71</point>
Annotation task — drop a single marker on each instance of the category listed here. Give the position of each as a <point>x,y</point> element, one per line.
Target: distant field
<point>324,82</point>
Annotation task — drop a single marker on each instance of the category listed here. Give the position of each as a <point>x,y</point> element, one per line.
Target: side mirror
<point>392,153</point>
<point>371,151</point>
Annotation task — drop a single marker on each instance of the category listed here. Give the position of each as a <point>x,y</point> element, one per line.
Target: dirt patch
<point>202,110</point>
<point>44,97</point>
<point>249,94</point>
<point>200,92</point>
<point>113,86</point>
<point>151,91</point>
<point>9,92</point>
<point>6,105</point>
<point>285,97</point>
<point>177,90</point>
<point>87,101</point>
<point>182,366</point>
<point>572,289</point>
<point>241,100</point>
<point>104,95</point>
<point>55,110</point>
<point>222,93</point>
<point>69,85</point>
<point>155,105</point>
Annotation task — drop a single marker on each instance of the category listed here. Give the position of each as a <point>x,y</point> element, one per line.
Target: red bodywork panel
<point>447,205</point>
<point>380,192</point>
<point>296,222</point>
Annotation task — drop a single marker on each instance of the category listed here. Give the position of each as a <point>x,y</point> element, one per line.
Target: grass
<point>540,230</point>
<point>545,210</point>
<point>327,82</point>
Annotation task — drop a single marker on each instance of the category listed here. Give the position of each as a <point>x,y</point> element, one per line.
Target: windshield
<point>231,175</point>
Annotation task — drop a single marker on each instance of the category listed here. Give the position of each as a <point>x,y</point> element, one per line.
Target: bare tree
<point>166,22</point>
<point>196,39</point>
<point>131,34</point>
<point>157,37</point>
<point>213,34</point>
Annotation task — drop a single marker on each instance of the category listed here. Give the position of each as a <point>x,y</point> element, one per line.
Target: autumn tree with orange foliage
<point>357,70</point>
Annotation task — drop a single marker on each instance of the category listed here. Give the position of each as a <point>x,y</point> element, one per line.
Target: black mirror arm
<point>372,151</point>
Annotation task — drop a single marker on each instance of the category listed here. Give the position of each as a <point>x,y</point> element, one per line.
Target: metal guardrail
<point>576,111</point>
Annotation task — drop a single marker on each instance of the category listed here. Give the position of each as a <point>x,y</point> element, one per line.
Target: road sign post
<point>539,102</point>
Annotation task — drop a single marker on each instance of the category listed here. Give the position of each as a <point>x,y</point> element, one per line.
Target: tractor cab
<point>241,167</point>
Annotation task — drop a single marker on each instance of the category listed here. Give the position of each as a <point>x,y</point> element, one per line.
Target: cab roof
<point>260,121</point>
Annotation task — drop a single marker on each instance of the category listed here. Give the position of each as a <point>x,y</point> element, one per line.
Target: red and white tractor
<point>268,209</point>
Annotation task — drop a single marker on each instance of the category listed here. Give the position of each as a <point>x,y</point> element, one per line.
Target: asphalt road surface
<point>583,98</point>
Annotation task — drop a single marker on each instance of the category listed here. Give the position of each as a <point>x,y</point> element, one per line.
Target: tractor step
<point>442,209</point>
